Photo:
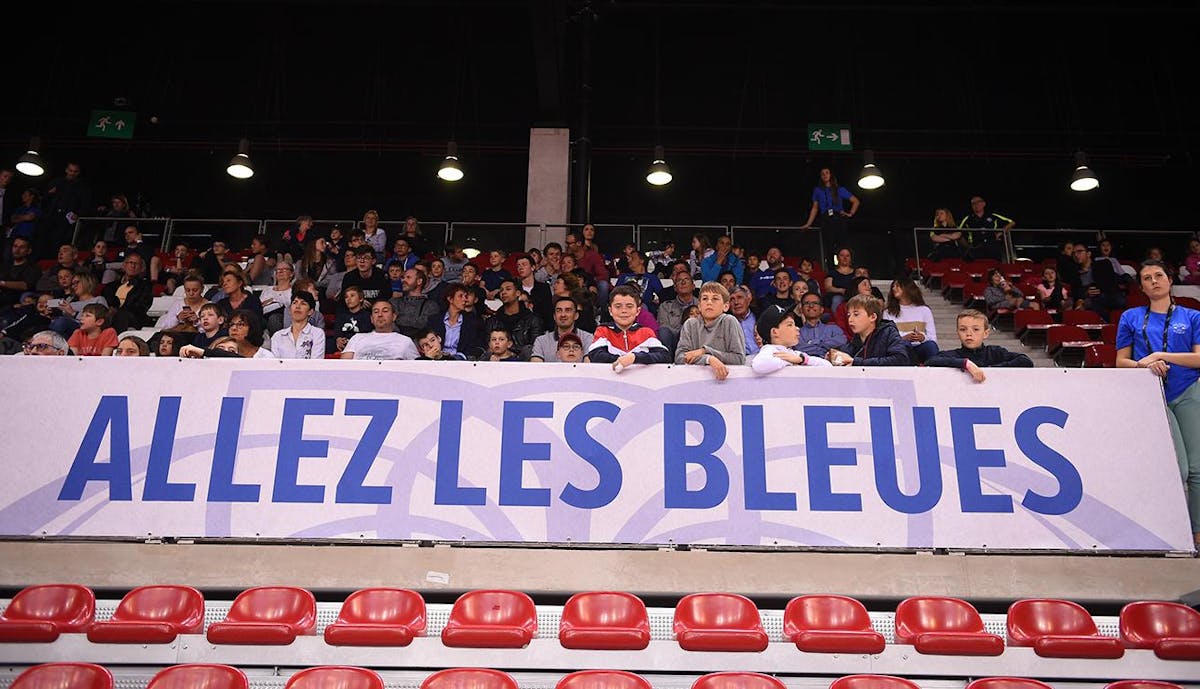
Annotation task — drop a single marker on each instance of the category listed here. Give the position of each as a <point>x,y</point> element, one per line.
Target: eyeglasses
<point>30,347</point>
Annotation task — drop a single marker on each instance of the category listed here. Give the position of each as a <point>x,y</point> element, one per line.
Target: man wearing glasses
<point>817,338</point>
<point>45,343</point>
<point>987,240</point>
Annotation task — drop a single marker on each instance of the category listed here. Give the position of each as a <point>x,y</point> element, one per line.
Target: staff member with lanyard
<point>828,200</point>
<point>1165,338</point>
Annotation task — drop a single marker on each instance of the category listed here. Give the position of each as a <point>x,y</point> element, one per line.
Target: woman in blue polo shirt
<point>1165,338</point>
<point>829,201</point>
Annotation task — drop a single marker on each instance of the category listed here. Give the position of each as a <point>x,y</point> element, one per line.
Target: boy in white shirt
<point>779,334</point>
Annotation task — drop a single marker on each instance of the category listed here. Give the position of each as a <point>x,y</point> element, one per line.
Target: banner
<point>1034,459</point>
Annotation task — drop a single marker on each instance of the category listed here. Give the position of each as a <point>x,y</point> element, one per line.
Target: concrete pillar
<point>547,200</point>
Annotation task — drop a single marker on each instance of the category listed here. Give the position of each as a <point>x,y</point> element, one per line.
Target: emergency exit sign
<point>829,137</point>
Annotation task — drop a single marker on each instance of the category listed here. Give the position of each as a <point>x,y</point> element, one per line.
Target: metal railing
<point>791,240</point>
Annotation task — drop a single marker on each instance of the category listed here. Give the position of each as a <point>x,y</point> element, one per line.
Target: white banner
<point>864,458</point>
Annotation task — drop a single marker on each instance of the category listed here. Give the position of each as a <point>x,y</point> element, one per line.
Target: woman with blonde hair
<point>947,239</point>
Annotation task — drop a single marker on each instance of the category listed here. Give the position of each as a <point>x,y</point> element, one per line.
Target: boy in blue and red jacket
<point>624,342</point>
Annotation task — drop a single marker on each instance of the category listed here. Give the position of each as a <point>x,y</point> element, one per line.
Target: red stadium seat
<point>64,676</point>
<point>152,615</point>
<point>737,680</point>
<point>335,677</point>
<point>944,626</point>
<point>972,291</point>
<point>1141,684</point>
<point>41,613</point>
<point>1189,302</point>
<point>197,676</point>
<point>1061,335</point>
<point>718,622</point>
<point>1108,334</point>
<point>491,619</point>
<point>1102,355</point>
<point>469,678</point>
<point>1007,683</point>
<point>1081,317</point>
<point>872,682</point>
<point>1171,629</point>
<point>602,679</point>
<point>1136,297</point>
<point>606,621</point>
<point>267,615</point>
<point>1058,629</point>
<point>378,617</point>
<point>830,624</point>
<point>1024,318</point>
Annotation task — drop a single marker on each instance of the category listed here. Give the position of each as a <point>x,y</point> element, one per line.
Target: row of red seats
<point>599,620</point>
<point>89,676</point>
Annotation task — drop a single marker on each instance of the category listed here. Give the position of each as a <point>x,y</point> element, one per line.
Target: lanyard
<point>1166,327</point>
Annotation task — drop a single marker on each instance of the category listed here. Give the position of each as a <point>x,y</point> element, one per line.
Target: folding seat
<point>64,676</point>
<point>491,619</point>
<point>1023,319</point>
<point>1141,684</point>
<point>973,291</point>
<point>152,615</point>
<point>603,679</point>
<point>1189,302</point>
<point>1058,629</point>
<point>830,624</point>
<point>604,620</point>
<point>1007,683</point>
<point>953,283</point>
<point>378,617</point>
<point>1171,629</point>
<point>1136,297</point>
<point>1081,317</point>
<point>979,269</point>
<point>944,626</point>
<point>1108,334</point>
<point>737,680</point>
<point>267,615</point>
<point>1101,355</point>
<point>41,613</point>
<point>335,677</point>
<point>872,682</point>
<point>469,678</point>
<point>934,272</point>
<point>1015,271</point>
<point>200,676</point>
<point>718,622</point>
<point>1068,336</point>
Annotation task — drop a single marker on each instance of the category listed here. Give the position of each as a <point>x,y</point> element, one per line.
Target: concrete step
<point>945,314</point>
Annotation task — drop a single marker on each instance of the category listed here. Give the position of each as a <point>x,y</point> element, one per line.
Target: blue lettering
<point>446,490</point>
<point>221,487</point>
<point>608,469</point>
<point>677,455</point>
<point>969,459</point>
<point>1070,484</point>
<point>929,473</point>
<point>754,465</point>
<point>293,446</point>
<point>158,468</point>
<point>514,452</point>
<point>350,488</point>
<point>821,458</point>
<point>112,414</point>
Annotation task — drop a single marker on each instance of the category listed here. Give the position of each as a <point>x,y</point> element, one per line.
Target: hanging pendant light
<point>1083,179</point>
<point>450,170</point>
<point>239,165</point>
<point>30,163</point>
<point>870,177</point>
<point>659,174</point>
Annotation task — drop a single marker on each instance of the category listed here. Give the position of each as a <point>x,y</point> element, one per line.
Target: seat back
<point>1145,622</point>
<point>1189,302</point>
<point>70,607</point>
<point>872,682</point>
<point>602,679</point>
<point>384,606</point>
<point>1102,355</point>
<point>934,614</point>
<point>1108,334</point>
<point>1136,297</point>
<point>605,609</point>
<point>180,606</point>
<point>1035,617</point>
<point>737,680</point>
<point>1141,684</point>
<point>335,677</point>
<point>496,608</point>
<point>825,612</point>
<point>1025,317</point>
<point>1007,683</point>
<point>469,678</point>
<point>1081,317</point>
<point>1056,336</point>
<point>199,675</point>
<point>716,611</point>
<point>64,676</point>
<point>290,605</point>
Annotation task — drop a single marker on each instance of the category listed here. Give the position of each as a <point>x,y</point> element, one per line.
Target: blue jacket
<point>711,270</point>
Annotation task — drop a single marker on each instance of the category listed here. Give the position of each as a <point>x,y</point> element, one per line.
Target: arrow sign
<point>829,137</point>
<point>111,124</point>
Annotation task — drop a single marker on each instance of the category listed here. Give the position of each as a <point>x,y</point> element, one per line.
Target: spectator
<point>83,287</point>
<point>402,255</point>
<point>670,312</point>
<point>1000,294</point>
<point>1051,292</point>
<point>131,296</point>
<point>236,294</point>
<point>625,342</point>
<point>522,324</point>
<point>495,272</point>
<point>302,340</point>
<point>395,273</point>
<point>841,315</point>
<point>415,237</point>
<point>591,262</point>
<point>1165,338</point>
<point>728,280</point>
<point>864,272</point>
<point>1097,287</point>
<point>817,338</point>
<point>552,264</point>
<point>914,320</point>
<point>947,239</point>
<point>277,299</point>
<point>805,274</point>
<point>535,294</point>
<point>500,347</point>
<point>1106,254</point>
<point>829,201</point>
<point>383,342</point>
<point>470,280</point>
<point>45,343</point>
<point>305,285</point>
<point>716,338</point>
<point>460,330</point>
<point>1192,262</point>
<point>535,254</point>
<point>66,199</point>
<point>721,260</point>
<point>430,346</point>
<point>1068,269</point>
<point>25,217</point>
<point>334,288</point>
<point>799,289</point>
<point>570,349</point>
<point>336,245</point>
<point>659,262</point>
<point>214,261</point>
<point>413,308</point>
<point>374,236</point>
<point>118,209</point>
<point>566,315</point>
<point>178,265</point>
<point>132,345</point>
<point>317,264</point>
<point>739,308</point>
<point>781,292</point>
<point>135,243</point>
<point>355,239</point>
<point>974,354</point>
<point>638,276</point>
<point>454,261</point>
<point>259,265</point>
<point>97,263</point>
<point>839,283</point>
<point>353,318</point>
<point>435,289</point>
<point>210,325</point>
<point>373,282</point>
<point>19,274</point>
<point>763,282</point>
<point>876,342</point>
<point>182,314</point>
<point>222,348</point>
<point>291,244</point>
<point>246,329</point>
<point>700,251</point>
<point>67,258</point>
<point>569,285</point>
<point>31,314</point>
<point>94,336</point>
<point>569,267</point>
<point>167,345</point>
<point>781,338</point>
<point>986,236</point>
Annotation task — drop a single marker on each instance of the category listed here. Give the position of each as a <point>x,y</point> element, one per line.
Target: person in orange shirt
<point>94,337</point>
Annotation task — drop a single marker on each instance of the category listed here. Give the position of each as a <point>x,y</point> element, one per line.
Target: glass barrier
<point>791,240</point>
<point>89,230</point>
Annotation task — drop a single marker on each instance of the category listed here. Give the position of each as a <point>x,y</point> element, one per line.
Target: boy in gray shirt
<point>714,338</point>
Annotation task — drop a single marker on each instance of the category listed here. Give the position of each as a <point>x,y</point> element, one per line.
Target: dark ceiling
<point>349,104</point>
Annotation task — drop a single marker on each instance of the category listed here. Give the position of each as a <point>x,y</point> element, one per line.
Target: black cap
<point>768,320</point>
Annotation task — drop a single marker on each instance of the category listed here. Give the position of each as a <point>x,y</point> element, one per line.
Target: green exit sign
<point>112,124</point>
<point>829,137</point>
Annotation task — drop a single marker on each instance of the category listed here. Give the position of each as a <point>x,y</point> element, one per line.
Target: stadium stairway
<point>944,314</point>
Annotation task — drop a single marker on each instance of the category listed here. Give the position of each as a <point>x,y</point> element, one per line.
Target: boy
<point>429,344</point>
<point>715,338</point>
<point>495,274</point>
<point>876,342</point>
<point>624,342</point>
<point>302,340</point>
<point>211,325</point>
<point>973,356</point>
<point>355,318</point>
<point>570,349</point>
<point>500,345</point>
<point>94,337</point>
<point>777,328</point>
